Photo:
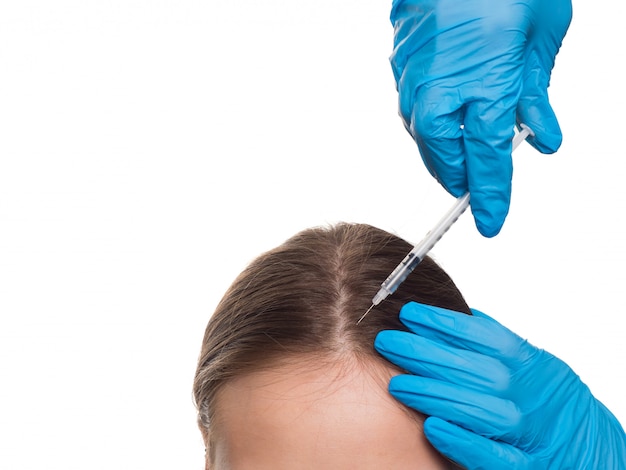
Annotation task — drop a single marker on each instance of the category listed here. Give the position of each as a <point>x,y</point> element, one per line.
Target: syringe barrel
<point>417,254</point>
<point>402,271</point>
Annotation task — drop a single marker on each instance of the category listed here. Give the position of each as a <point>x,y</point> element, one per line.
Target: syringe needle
<point>366,312</point>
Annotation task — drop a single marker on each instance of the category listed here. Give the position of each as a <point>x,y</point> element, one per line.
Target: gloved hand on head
<point>495,401</point>
<point>466,72</point>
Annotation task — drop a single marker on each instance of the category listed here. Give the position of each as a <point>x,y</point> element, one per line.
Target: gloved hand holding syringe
<point>417,254</point>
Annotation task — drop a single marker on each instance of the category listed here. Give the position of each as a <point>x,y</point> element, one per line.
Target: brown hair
<point>305,297</point>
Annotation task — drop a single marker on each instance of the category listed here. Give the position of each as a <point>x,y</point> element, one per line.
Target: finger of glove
<point>431,359</point>
<point>435,120</point>
<point>534,110</point>
<point>487,415</point>
<point>488,134</point>
<point>488,131</point>
<point>550,21</point>
<point>483,335</point>
<point>473,451</point>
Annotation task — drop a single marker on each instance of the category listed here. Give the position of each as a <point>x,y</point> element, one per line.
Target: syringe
<point>417,254</point>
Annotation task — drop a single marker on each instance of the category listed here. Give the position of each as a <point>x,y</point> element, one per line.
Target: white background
<point>150,149</point>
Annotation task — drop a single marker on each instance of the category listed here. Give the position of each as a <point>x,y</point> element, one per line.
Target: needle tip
<point>364,315</point>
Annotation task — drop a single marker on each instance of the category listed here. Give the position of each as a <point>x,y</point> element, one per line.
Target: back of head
<point>305,297</point>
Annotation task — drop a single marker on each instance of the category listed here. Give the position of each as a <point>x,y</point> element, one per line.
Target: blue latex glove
<point>477,63</point>
<point>494,400</point>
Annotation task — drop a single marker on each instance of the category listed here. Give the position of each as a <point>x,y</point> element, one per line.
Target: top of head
<point>305,297</point>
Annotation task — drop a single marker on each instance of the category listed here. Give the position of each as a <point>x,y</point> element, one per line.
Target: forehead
<point>305,415</point>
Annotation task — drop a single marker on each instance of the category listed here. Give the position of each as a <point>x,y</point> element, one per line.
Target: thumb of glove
<point>534,110</point>
<point>549,20</point>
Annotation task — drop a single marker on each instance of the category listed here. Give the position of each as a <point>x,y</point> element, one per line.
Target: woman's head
<point>288,324</point>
